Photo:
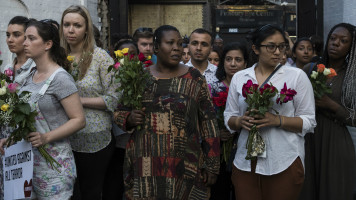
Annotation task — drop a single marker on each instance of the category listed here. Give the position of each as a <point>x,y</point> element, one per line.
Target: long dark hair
<point>47,31</point>
<point>220,72</point>
<point>348,96</point>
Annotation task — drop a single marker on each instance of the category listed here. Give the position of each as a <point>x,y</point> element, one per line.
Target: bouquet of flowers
<point>131,72</point>
<point>259,102</point>
<point>219,101</point>
<point>15,112</point>
<point>319,78</point>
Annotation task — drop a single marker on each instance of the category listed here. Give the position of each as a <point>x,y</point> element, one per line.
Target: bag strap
<point>270,76</point>
<point>312,65</point>
<point>48,81</point>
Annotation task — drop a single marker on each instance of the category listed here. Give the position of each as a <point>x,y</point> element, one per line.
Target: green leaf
<point>110,68</point>
<point>19,118</point>
<point>25,108</point>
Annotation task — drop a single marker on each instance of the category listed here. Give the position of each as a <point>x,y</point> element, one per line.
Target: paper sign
<point>18,170</point>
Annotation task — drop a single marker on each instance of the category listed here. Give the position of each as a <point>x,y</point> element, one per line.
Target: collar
<point>251,71</point>
<point>27,65</point>
<point>210,68</point>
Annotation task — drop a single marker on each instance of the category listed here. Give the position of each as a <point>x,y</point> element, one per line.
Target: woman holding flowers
<point>175,154</point>
<point>334,149</point>
<point>19,69</point>
<point>93,146</point>
<point>60,114</point>
<point>114,182</point>
<point>277,172</point>
<point>234,58</point>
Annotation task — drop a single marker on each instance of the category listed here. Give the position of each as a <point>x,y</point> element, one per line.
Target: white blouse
<point>282,147</point>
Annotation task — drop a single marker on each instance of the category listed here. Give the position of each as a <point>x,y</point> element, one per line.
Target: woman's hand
<point>267,120</point>
<point>225,135</point>
<point>246,121</point>
<point>2,145</point>
<point>208,177</point>
<point>326,102</point>
<point>37,139</point>
<point>136,117</point>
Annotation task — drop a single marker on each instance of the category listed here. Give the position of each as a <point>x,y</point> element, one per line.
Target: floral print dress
<point>96,83</point>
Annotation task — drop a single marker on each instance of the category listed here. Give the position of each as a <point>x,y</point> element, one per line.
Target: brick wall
<point>49,9</point>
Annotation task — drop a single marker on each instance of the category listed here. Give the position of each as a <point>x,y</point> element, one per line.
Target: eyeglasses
<point>272,47</point>
<point>143,29</point>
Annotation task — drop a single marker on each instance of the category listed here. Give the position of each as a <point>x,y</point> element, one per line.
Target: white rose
<point>2,90</point>
<point>254,154</point>
<point>326,71</point>
<point>122,61</point>
<point>314,74</point>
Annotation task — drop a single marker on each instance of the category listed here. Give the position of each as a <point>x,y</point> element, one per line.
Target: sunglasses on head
<point>143,29</point>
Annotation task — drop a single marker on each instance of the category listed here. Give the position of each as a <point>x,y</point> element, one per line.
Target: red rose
<point>246,88</point>
<point>141,57</point>
<point>286,95</point>
<point>132,56</point>
<point>148,63</point>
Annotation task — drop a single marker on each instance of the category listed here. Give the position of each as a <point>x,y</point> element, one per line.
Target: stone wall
<point>48,9</point>
<point>337,11</point>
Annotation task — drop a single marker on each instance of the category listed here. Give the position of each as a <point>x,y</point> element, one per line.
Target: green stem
<point>49,159</point>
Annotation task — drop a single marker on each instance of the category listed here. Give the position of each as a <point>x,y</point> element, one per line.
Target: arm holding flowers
<point>74,110</point>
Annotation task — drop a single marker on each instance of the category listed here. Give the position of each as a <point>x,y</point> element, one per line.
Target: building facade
<point>49,9</point>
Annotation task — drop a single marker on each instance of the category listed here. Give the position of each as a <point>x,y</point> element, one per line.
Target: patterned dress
<point>96,83</point>
<point>178,139</point>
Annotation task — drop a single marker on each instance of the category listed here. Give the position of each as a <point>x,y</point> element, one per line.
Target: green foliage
<point>133,77</point>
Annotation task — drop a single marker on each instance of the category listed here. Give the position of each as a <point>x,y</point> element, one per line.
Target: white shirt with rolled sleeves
<point>209,73</point>
<point>282,147</point>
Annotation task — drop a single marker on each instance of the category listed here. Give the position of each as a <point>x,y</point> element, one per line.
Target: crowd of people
<point>180,150</point>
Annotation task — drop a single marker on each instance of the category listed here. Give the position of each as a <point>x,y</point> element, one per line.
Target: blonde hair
<point>88,43</point>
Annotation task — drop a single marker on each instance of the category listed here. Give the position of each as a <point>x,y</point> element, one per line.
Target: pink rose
<point>117,65</point>
<point>12,87</point>
<point>9,72</point>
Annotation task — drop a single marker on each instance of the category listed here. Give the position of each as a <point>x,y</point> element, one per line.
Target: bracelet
<point>280,121</point>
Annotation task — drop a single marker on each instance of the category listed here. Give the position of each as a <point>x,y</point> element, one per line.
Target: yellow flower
<point>70,58</point>
<point>125,50</point>
<point>149,57</point>
<point>118,53</point>
<point>5,107</point>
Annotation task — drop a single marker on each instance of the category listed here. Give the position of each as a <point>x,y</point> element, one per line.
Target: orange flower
<point>332,73</point>
<point>321,68</point>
